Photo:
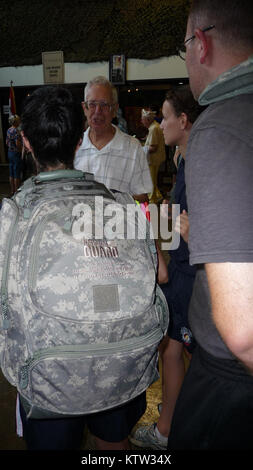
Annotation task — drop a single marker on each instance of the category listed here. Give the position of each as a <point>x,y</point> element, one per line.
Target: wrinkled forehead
<point>100,92</point>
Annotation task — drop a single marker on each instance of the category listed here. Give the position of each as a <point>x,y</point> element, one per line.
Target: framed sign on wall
<point>117,69</point>
<point>53,67</point>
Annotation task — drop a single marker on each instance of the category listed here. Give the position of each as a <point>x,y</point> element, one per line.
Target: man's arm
<point>231,288</point>
<point>152,148</point>
<point>153,143</point>
<point>141,182</point>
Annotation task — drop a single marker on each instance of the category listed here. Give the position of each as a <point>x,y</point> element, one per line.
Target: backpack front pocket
<point>96,377</point>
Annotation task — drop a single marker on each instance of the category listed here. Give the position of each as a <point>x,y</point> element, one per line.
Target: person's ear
<point>183,120</point>
<point>85,110</point>
<point>203,45</point>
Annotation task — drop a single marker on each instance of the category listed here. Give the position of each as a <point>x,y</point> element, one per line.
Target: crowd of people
<point>209,289</point>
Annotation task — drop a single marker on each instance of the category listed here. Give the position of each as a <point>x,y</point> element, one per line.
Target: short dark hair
<point>233,20</point>
<point>53,122</point>
<point>183,101</point>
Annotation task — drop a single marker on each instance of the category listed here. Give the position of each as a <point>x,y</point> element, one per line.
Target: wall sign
<point>53,67</point>
<point>6,109</point>
<point>117,69</point>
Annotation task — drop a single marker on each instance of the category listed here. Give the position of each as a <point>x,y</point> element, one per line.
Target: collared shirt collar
<point>117,141</point>
<point>236,81</point>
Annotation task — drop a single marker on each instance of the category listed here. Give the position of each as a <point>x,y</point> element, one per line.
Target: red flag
<point>12,103</point>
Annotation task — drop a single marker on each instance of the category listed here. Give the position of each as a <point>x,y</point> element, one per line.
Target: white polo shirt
<point>120,165</point>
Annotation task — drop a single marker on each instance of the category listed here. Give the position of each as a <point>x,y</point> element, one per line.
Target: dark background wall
<point>90,30</point>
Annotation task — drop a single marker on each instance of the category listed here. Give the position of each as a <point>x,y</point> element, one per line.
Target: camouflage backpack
<point>81,313</point>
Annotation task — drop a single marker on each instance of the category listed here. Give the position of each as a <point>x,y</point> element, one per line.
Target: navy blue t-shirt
<point>179,258</point>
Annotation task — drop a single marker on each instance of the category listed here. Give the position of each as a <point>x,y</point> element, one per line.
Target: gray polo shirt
<point>219,184</point>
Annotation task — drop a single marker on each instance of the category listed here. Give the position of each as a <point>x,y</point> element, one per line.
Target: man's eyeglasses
<point>104,106</point>
<point>183,46</point>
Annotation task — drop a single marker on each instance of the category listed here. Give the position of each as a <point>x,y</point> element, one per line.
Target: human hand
<point>165,209</point>
<point>182,225</point>
<point>176,155</point>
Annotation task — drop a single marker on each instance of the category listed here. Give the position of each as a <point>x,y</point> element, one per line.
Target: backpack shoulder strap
<point>62,174</point>
<point>57,179</point>
<point>126,198</point>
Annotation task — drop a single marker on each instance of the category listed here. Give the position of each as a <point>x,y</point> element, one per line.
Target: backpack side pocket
<point>8,224</point>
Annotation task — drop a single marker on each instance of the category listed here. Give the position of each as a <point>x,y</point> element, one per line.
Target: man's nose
<point>98,107</point>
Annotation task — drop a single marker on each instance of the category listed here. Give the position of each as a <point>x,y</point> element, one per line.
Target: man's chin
<point>97,122</point>
<point>97,125</point>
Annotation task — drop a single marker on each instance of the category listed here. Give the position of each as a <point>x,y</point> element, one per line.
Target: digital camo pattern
<point>84,315</point>
<point>231,83</point>
<point>12,340</point>
<point>87,383</point>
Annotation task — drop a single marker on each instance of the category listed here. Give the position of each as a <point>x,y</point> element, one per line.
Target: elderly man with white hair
<point>115,158</point>
<point>155,149</point>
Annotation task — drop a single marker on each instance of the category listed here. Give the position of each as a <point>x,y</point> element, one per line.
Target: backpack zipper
<point>6,267</point>
<point>58,194</point>
<point>96,350</point>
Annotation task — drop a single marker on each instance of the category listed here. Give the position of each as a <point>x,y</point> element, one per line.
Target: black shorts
<point>178,293</point>
<point>112,425</point>
<point>214,409</point>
